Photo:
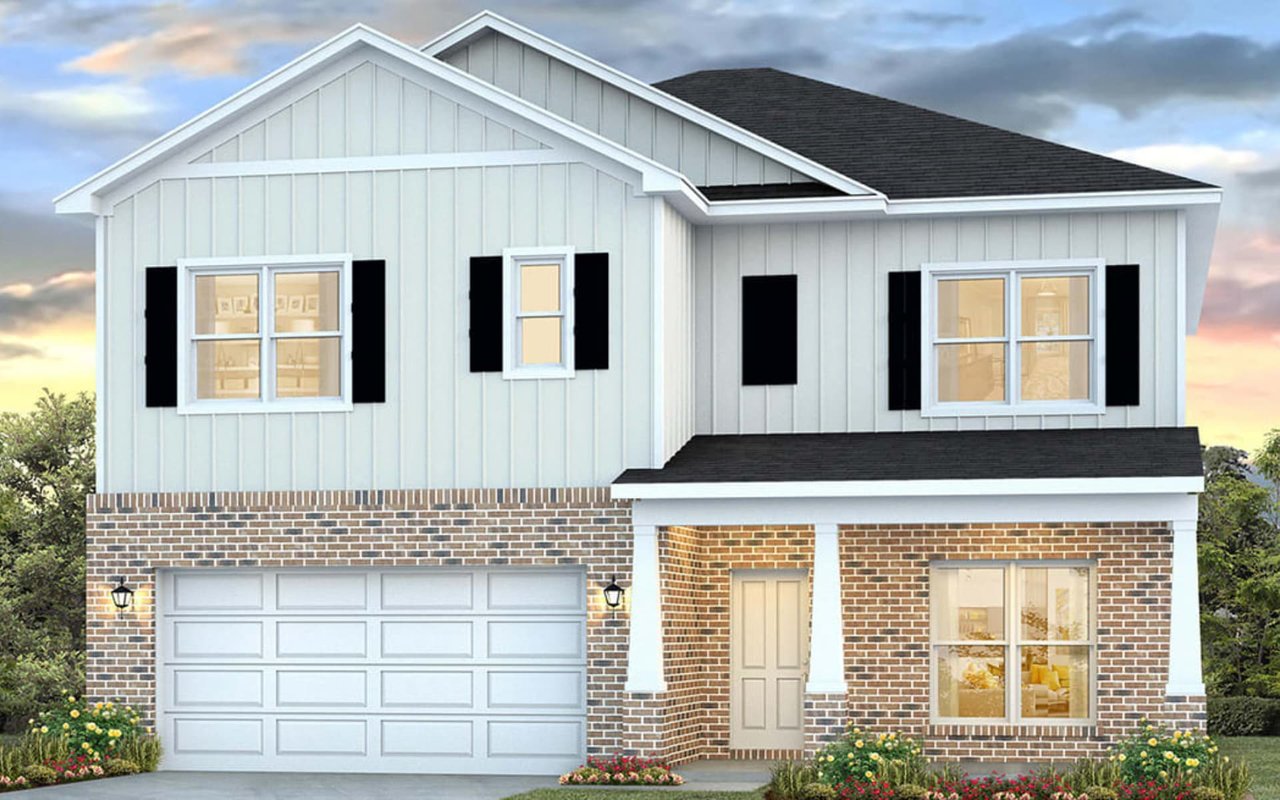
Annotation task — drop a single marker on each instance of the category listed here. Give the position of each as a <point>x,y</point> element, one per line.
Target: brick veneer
<point>136,534</point>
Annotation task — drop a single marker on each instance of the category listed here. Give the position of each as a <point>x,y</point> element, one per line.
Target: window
<point>538,323</point>
<point>1014,336</point>
<point>1012,642</point>
<point>268,335</point>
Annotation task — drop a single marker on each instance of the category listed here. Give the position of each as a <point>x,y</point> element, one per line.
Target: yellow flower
<point>110,705</point>
<point>875,756</point>
<point>858,744</point>
<point>90,727</point>
<point>1163,774</point>
<point>1226,759</point>
<point>1192,763</point>
<point>1153,741</point>
<point>869,774</point>
<point>66,726</point>
<point>114,733</point>
<point>71,699</point>
<point>85,745</point>
<point>1143,753</point>
<point>1121,757</point>
<point>75,712</point>
<point>831,758</point>
<point>1168,754</point>
<point>849,756</point>
<point>44,728</point>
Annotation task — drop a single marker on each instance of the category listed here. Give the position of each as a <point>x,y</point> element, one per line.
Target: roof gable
<point>904,151</point>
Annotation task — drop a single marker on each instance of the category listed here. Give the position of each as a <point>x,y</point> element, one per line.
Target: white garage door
<point>396,670</point>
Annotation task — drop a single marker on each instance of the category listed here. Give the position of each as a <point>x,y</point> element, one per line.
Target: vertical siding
<point>843,286</point>
<point>704,157</point>
<point>442,426</point>
<point>677,330</point>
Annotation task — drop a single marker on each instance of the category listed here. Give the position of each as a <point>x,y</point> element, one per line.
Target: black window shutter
<point>904,341</point>
<point>162,337</point>
<point>1123,336</point>
<point>369,331</point>
<point>591,311</point>
<point>768,330</point>
<point>486,314</point>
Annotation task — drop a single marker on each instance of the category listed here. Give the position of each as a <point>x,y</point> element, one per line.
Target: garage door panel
<point>222,688</point>
<point>199,736</point>
<point>416,737</point>
<point>321,689</point>
<point>428,639</point>
<point>535,639</point>
<point>427,591</point>
<point>320,639</point>
<point>428,689</point>
<point>531,592</point>
<point>560,691</point>
<point>536,739</point>
<point>321,737</point>
<point>225,639</point>
<point>317,591</point>
<point>216,591</point>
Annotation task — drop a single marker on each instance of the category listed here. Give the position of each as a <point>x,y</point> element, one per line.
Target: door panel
<point>769,651</point>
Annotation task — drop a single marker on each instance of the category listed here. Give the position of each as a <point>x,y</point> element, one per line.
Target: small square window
<point>538,325</point>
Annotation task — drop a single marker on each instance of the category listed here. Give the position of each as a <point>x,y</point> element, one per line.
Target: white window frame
<point>512,259</point>
<point>265,267</point>
<point>1013,642</point>
<point>1012,272</point>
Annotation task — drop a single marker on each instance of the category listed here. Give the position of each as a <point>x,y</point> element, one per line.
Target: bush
<point>1098,792</point>
<point>861,757</point>
<point>1156,754</point>
<point>789,779</point>
<point>1232,779</point>
<point>123,766</point>
<point>1091,772</point>
<point>910,791</point>
<point>622,770</point>
<point>31,749</point>
<point>817,791</point>
<point>143,751</point>
<point>1244,716</point>
<point>39,775</point>
<point>1207,793</point>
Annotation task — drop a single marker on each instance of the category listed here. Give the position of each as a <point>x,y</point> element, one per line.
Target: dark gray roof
<point>903,150</point>
<point>950,455</point>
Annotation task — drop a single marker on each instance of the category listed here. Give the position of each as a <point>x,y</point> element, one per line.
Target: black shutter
<point>369,331</point>
<point>904,341</point>
<point>162,337</point>
<point>486,314</point>
<point>1123,336</point>
<point>768,330</point>
<point>591,311</point>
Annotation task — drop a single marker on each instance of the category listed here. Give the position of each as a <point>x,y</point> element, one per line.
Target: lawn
<point>1263,756</point>
<point>623,794</point>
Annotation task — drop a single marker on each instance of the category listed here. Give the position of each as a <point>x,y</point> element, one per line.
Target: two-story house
<point>865,414</point>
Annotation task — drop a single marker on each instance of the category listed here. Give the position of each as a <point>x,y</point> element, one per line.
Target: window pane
<point>1056,370</point>
<point>970,372</point>
<point>227,369</point>
<point>539,287</point>
<point>226,304</point>
<point>1056,306</point>
<point>1055,603</point>
<point>972,307</point>
<point>968,604</point>
<point>970,681</point>
<point>540,340</point>
<point>1055,682</point>
<point>309,367</point>
<point>306,302</point>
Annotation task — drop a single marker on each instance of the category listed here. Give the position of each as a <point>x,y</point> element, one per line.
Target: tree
<point>46,470</point>
<point>1239,556</point>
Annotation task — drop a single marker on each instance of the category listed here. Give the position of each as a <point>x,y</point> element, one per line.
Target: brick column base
<point>644,724</point>
<point>825,718</point>
<point>1185,711</point>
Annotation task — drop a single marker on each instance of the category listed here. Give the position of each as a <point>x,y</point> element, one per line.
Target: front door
<point>769,653</point>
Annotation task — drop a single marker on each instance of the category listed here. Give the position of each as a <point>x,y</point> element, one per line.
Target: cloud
<point>10,351</point>
<point>1232,303</point>
<point>939,20</point>
<point>37,245</point>
<point>24,306</point>
<point>105,106</point>
<point>1190,158</point>
<point>200,50</point>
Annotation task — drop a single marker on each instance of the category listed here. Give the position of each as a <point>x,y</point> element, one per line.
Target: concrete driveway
<point>294,786</point>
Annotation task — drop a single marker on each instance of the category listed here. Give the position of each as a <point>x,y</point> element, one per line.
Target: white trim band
<point>900,488</point>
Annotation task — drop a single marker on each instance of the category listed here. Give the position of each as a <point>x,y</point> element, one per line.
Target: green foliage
<point>1090,772</point>
<point>46,469</point>
<point>910,791</point>
<point>1231,778</point>
<point>39,775</point>
<point>30,749</point>
<point>788,780</point>
<point>1244,716</point>
<point>1204,793</point>
<point>817,791</point>
<point>97,730</point>
<point>123,766</point>
<point>143,751</point>
<point>1240,571</point>
<point>862,756</point>
<point>1157,754</point>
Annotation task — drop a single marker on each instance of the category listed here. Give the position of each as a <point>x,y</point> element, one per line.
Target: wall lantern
<point>613,594</point>
<point>122,595</point>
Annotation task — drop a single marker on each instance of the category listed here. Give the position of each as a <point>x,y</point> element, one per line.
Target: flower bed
<point>620,770</point>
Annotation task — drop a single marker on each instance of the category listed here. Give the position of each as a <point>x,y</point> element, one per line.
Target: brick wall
<point>134,535</point>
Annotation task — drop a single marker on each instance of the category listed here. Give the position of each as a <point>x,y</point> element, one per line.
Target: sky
<point>1187,86</point>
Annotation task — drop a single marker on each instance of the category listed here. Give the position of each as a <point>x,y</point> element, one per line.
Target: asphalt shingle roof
<point>903,150</point>
<point>932,455</point>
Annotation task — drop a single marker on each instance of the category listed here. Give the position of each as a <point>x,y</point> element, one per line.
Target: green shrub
<point>1230,778</point>
<point>31,749</point>
<point>910,791</point>
<point>39,775</point>
<point>1090,772</point>
<point>1244,716</point>
<point>1098,792</point>
<point>144,751</point>
<point>1207,793</point>
<point>1158,754</point>
<point>97,730</point>
<point>861,756</point>
<point>817,791</point>
<point>789,779</point>
<point>123,766</point>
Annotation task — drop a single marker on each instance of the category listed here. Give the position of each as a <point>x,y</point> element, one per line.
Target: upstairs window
<point>538,322</point>
<point>266,336</point>
<point>1012,336</point>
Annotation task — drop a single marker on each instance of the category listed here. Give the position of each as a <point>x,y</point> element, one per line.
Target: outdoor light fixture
<point>122,595</point>
<point>613,593</point>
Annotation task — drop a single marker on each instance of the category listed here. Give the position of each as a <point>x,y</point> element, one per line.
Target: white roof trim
<point>920,488</point>
<point>488,20</point>
<point>85,197</point>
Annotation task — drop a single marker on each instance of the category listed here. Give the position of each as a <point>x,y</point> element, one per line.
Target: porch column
<point>826,639</point>
<point>644,644</point>
<point>1185,676</point>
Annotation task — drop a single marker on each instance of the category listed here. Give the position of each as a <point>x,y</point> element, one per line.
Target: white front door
<point>769,646</point>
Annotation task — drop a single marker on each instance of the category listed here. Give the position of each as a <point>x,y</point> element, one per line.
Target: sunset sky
<point>1190,86</point>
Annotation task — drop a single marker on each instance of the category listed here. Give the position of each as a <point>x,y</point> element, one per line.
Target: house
<point>873,415</point>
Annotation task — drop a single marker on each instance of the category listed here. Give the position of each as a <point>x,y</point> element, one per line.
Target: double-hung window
<point>1013,336</point>
<point>538,323</point>
<point>265,335</point>
<point>1012,641</point>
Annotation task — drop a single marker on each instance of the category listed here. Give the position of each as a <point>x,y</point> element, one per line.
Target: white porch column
<point>644,645</point>
<point>1185,676</point>
<point>826,639</point>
